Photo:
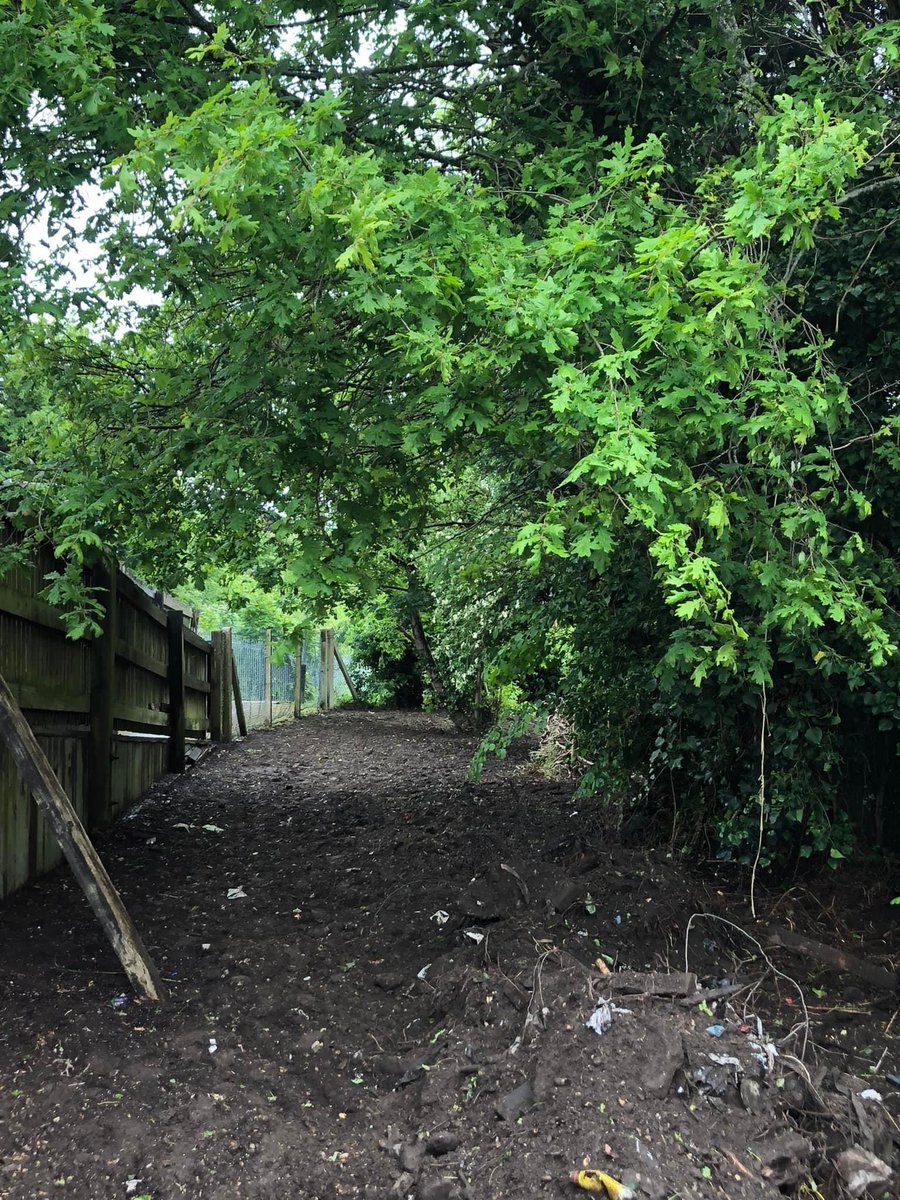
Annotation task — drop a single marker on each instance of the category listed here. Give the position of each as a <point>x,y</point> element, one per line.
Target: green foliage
<point>542,332</point>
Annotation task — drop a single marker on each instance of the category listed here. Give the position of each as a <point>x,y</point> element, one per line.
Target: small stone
<point>752,1096</point>
<point>442,1143</point>
<point>412,1156</point>
<point>863,1172</point>
<point>436,1189</point>
<point>513,1104</point>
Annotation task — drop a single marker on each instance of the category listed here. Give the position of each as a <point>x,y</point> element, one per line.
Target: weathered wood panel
<point>51,678</point>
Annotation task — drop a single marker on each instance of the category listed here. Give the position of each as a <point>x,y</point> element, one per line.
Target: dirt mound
<point>428,988</point>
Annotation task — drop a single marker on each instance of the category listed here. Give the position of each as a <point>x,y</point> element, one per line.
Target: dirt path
<point>395,1006</point>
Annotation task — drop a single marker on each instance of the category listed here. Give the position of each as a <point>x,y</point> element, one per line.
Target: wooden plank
<point>44,698</point>
<point>136,596</point>
<point>77,847</point>
<point>145,661</point>
<point>103,686</point>
<point>31,609</point>
<point>346,674</point>
<point>58,731</point>
<point>141,716</point>
<point>176,692</point>
<point>238,702</point>
<point>194,683</point>
<point>195,640</point>
<point>218,690</point>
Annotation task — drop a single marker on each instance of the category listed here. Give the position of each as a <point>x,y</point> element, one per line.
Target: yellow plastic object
<point>602,1184</point>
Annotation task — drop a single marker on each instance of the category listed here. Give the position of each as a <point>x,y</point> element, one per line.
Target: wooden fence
<point>113,713</point>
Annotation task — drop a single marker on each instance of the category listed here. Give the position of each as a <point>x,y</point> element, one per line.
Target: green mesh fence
<point>262,708</point>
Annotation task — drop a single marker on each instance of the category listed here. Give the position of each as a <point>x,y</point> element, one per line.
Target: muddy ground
<point>394,1003</point>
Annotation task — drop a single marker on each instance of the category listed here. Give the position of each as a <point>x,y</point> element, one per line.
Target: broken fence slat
<point>830,956</point>
<point>84,860</point>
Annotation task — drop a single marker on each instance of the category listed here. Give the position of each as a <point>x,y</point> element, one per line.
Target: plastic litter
<point>871,1094</point>
<point>602,1184</point>
<point>602,1016</point>
<point>237,893</point>
<point>421,974</point>
<point>715,1030</point>
<point>213,1045</point>
<point>725,1060</point>
<point>441,917</point>
<point>119,1001</point>
<point>475,935</point>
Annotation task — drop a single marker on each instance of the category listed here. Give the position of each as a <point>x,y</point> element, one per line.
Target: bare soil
<point>396,1005</point>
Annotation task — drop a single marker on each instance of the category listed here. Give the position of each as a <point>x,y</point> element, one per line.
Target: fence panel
<point>99,707</point>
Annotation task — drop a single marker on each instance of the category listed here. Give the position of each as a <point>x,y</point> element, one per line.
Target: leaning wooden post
<point>217,687</point>
<point>238,698</point>
<point>346,674</point>
<point>84,860</point>
<point>175,630</point>
<point>103,702</point>
<point>267,676</point>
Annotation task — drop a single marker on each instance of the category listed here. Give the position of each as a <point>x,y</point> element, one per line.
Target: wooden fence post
<point>267,676</point>
<point>103,702</point>
<point>323,669</point>
<point>227,686</point>
<point>217,684</point>
<point>84,860</point>
<point>299,669</point>
<point>175,631</point>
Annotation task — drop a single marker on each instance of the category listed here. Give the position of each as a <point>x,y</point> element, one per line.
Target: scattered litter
<point>131,1185</point>
<point>237,893</point>
<point>715,1030</point>
<point>725,1060</point>
<point>871,1094</point>
<point>119,1001</point>
<point>441,917</point>
<point>765,1054</point>
<point>476,936</point>
<point>205,945</point>
<point>894,1079</point>
<point>421,974</point>
<point>602,1016</point>
<point>212,828</point>
<point>213,1045</point>
<point>603,1184</point>
<point>618,919</point>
